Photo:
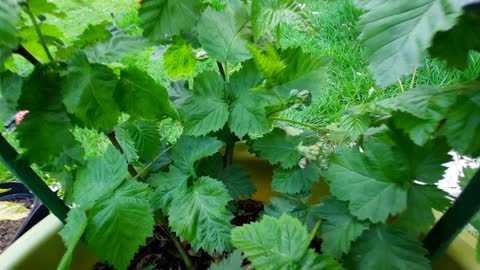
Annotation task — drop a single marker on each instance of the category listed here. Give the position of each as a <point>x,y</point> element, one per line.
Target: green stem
<point>227,74</point>
<point>22,170</point>
<point>278,37</point>
<point>113,139</point>
<point>186,259</point>
<point>299,123</point>
<point>229,149</point>
<point>39,32</point>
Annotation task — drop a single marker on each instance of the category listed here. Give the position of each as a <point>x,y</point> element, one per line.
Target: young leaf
<point>372,182</point>
<point>100,176</point>
<point>179,60</point>
<point>8,20</point>
<point>165,18</point>
<point>233,262</point>
<point>88,91</point>
<point>188,150</point>
<point>139,95</point>
<point>296,179</point>
<point>198,215</point>
<point>10,89</point>
<point>278,147</point>
<point>396,35</point>
<point>168,185</point>
<point>383,248</point>
<point>268,62</point>
<point>277,244</point>
<point>225,34</point>
<point>248,114</point>
<point>120,220</point>
<point>71,235</point>
<point>207,109</point>
<point>268,14</point>
<point>308,214</point>
<point>339,227</point>
<point>144,135</point>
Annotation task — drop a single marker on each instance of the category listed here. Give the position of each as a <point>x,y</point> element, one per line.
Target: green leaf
<point>116,48</point>
<point>277,244</point>
<point>207,109</point>
<point>94,33</point>
<point>248,114</point>
<point>199,215</point>
<point>88,91</point>
<point>139,95</point>
<point>427,162</point>
<point>225,34</point>
<point>279,148</point>
<point>238,183</point>
<point>385,249</point>
<point>372,182</point>
<point>121,221</point>
<point>161,19</point>
<point>455,44</point>
<point>179,92</point>
<point>42,7</point>
<point>8,20</point>
<point>233,262</point>
<point>179,60</point>
<point>308,214</point>
<point>100,176</point>
<point>296,179</point>
<point>144,135</point>
<point>71,234</point>
<point>188,150</point>
<point>462,126</point>
<point>168,185</point>
<point>269,62</point>
<point>418,217</point>
<point>397,34</point>
<point>339,227</point>
<point>268,14</point>
<point>304,71</point>
<point>10,89</point>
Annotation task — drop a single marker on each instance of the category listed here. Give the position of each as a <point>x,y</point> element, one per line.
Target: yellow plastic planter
<point>42,248</point>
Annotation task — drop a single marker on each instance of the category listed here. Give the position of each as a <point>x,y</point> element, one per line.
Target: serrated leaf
<point>462,126</point>
<point>165,18</point>
<point>145,136</point>
<point>268,62</point>
<point>179,60</point>
<point>418,217</point>
<point>116,48</point>
<point>279,148</point>
<point>225,34</point>
<point>188,150</point>
<point>88,91</point>
<point>12,211</point>
<point>268,14</point>
<point>42,7</point>
<point>94,33</point>
<point>304,71</point>
<point>179,92</point>
<point>296,179</point>
<point>72,232</point>
<point>307,214</point>
<point>455,44</point>
<point>10,90</point>
<point>8,20</point>
<point>248,114</point>
<point>139,95</point>
<point>397,35</point>
<point>277,244</point>
<point>207,109</point>
<point>168,185</point>
<point>199,215</point>
<point>372,182</point>
<point>385,249</point>
<point>233,262</point>
<point>237,181</point>
<point>427,162</point>
<point>100,176</point>
<point>355,124</point>
<point>122,221</point>
<point>339,227</point>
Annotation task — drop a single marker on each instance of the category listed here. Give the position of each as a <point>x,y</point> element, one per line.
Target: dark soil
<point>9,228</point>
<point>160,251</point>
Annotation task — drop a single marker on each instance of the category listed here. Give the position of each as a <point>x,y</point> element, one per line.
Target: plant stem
<point>20,50</point>
<point>227,74</point>
<point>22,170</point>
<point>278,43</point>
<point>229,149</point>
<point>401,86</point>
<point>221,70</point>
<point>181,250</point>
<point>413,77</point>
<point>300,124</point>
<point>113,139</point>
<point>38,30</point>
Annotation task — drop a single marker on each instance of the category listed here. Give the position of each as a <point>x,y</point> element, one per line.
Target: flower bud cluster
<point>299,99</point>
